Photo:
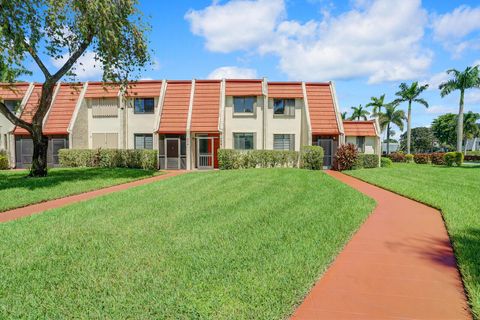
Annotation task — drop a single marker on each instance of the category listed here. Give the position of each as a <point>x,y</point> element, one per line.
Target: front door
<point>172,148</point>
<point>327,146</point>
<point>205,152</point>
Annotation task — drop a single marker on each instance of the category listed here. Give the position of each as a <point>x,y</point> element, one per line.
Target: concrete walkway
<point>61,202</point>
<point>399,265</point>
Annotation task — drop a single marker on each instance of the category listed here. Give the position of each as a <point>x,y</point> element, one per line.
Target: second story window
<point>12,105</point>
<point>104,108</point>
<point>144,105</point>
<point>244,105</point>
<point>284,107</point>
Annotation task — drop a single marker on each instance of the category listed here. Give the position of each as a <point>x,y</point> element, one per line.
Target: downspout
<point>123,126</point>
<point>221,114</point>
<point>264,112</point>
<point>189,122</point>
<point>75,114</point>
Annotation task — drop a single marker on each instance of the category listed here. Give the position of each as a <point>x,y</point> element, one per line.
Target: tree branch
<point>37,60</point>
<point>13,118</point>
<point>73,58</point>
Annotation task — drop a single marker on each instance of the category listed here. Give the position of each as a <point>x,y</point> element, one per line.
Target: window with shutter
<point>284,142</point>
<point>143,141</point>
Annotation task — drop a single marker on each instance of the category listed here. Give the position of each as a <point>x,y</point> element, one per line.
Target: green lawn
<point>16,190</point>
<point>240,244</point>
<point>456,191</point>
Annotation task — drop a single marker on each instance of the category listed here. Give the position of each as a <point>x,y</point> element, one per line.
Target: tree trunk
<point>39,158</point>
<point>409,131</point>
<point>460,122</point>
<point>388,139</point>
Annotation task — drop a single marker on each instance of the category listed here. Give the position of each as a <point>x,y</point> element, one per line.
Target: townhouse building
<point>187,121</point>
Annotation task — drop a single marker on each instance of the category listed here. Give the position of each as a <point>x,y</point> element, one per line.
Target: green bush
<point>386,162</point>
<point>366,161</point>
<point>453,158</point>
<point>397,156</point>
<point>421,158</point>
<point>346,157</point>
<point>4,162</point>
<point>312,157</point>
<point>438,158</point>
<point>109,158</point>
<point>409,157</point>
<point>473,153</point>
<point>238,159</point>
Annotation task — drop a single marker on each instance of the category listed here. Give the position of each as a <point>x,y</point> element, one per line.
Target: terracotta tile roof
<point>13,91</point>
<point>175,107</point>
<point>144,89</point>
<point>321,108</point>
<point>206,105</point>
<point>359,128</point>
<point>285,90</point>
<point>29,109</point>
<point>243,88</point>
<point>62,109</point>
<point>101,90</point>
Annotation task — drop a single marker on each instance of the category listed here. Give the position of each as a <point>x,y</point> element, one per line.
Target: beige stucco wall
<point>138,123</point>
<point>7,139</point>
<point>284,125</point>
<point>243,123</point>
<point>80,133</point>
<point>371,145</point>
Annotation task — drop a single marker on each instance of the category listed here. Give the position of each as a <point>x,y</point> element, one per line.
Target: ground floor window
<point>24,150</point>
<point>284,142</point>
<point>244,141</point>
<point>360,142</point>
<point>143,141</point>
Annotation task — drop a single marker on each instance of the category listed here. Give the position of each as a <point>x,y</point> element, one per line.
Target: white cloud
<point>236,25</point>
<point>451,28</point>
<point>472,96</point>
<point>439,109</point>
<point>231,72</point>
<point>378,39</point>
<point>86,68</point>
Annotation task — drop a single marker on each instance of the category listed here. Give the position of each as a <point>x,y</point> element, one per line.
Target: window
<point>105,108</point>
<point>144,105</point>
<point>284,142</point>
<point>105,140</point>
<point>284,107</point>
<point>360,144</point>
<point>243,141</point>
<point>244,104</point>
<point>143,141</point>
<point>12,105</point>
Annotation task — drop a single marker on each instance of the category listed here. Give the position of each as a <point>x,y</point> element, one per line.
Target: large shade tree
<point>461,81</point>
<point>63,30</point>
<point>410,93</point>
<point>422,140</point>
<point>391,116</point>
<point>444,128</point>
<point>359,113</point>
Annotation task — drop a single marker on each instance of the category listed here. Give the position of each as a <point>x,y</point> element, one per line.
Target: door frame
<point>166,152</point>
<point>211,154</point>
<point>330,160</point>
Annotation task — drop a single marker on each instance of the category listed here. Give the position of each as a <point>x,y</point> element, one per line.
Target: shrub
<point>312,157</point>
<point>109,158</point>
<point>453,158</point>
<point>397,156</point>
<point>345,157</point>
<point>367,161</point>
<point>437,158</point>
<point>473,158</point>
<point>473,153</point>
<point>238,159</point>
<point>421,158</point>
<point>386,162</point>
<point>3,162</point>
<point>409,158</point>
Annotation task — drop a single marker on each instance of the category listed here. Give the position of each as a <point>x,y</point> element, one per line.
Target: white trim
<point>51,104</point>
<point>25,99</point>
<point>307,114</point>
<point>189,123</point>
<point>221,113</point>
<point>337,113</point>
<point>161,100</point>
<point>264,113</point>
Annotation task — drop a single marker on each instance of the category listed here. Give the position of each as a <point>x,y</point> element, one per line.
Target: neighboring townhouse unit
<point>188,121</point>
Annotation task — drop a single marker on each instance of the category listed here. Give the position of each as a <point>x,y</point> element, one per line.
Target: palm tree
<point>344,115</point>
<point>377,104</point>
<point>462,80</point>
<point>359,113</point>
<point>410,94</point>
<point>389,117</point>
<point>471,128</point>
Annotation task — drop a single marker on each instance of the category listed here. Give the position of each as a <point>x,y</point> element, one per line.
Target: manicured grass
<point>17,190</point>
<point>456,192</point>
<point>245,244</point>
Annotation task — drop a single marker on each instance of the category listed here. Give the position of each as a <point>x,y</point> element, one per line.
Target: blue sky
<point>367,47</point>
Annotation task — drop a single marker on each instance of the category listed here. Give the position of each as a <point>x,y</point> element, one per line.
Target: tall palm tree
<point>471,129</point>
<point>359,113</point>
<point>389,117</point>
<point>344,115</point>
<point>462,80</point>
<point>410,94</point>
<point>377,104</point>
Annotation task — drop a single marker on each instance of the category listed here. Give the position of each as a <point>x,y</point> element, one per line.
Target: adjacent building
<point>186,121</point>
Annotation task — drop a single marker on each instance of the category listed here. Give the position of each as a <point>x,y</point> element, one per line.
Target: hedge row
<point>470,157</point>
<point>366,161</point>
<point>238,159</point>
<point>109,158</point>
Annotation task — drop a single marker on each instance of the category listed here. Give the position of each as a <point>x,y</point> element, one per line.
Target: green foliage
<point>472,158</point>
<point>438,158</point>
<point>409,158</point>
<point>453,158</point>
<point>4,162</point>
<point>385,162</point>
<point>397,156</point>
<point>366,161</point>
<point>422,140</point>
<point>377,104</point>
<point>345,157</point>
<point>238,159</point>
<point>421,158</point>
<point>312,157</point>
<point>473,153</point>
<point>109,158</point>
<point>359,113</point>
<point>444,128</point>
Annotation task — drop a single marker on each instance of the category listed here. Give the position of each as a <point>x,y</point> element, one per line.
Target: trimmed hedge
<point>385,162</point>
<point>312,157</point>
<point>238,159</point>
<point>438,158</point>
<point>453,158</point>
<point>109,158</point>
<point>409,158</point>
<point>473,158</point>
<point>397,156</point>
<point>421,158</point>
<point>366,161</point>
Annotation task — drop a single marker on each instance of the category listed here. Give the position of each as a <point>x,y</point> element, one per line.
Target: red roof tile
<point>13,91</point>
<point>145,89</point>
<point>62,109</point>
<point>359,128</point>
<point>175,107</point>
<point>243,88</point>
<point>285,90</point>
<point>206,105</point>
<point>321,108</point>
<point>101,90</point>
<point>29,109</point>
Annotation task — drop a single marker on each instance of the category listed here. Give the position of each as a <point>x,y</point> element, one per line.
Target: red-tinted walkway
<point>399,265</point>
<point>51,204</point>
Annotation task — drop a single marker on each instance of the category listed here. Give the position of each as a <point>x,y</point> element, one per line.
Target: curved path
<point>61,202</point>
<point>399,265</point>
